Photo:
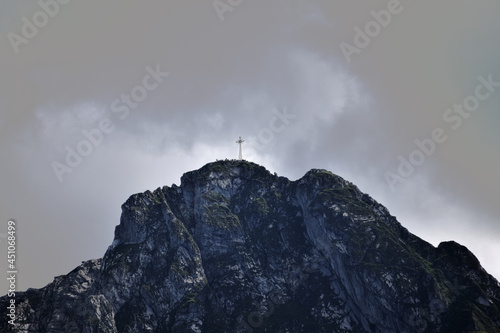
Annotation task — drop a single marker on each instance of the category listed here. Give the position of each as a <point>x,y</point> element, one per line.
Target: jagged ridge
<point>235,248</point>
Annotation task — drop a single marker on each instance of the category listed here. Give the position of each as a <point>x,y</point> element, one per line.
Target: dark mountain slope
<point>237,249</point>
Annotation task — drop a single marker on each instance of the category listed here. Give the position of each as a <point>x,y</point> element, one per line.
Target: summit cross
<point>240,142</point>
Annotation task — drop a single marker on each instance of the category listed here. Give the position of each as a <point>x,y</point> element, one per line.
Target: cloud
<point>229,79</point>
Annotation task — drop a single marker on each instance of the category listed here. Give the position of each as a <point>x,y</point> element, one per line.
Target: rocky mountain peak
<point>235,248</point>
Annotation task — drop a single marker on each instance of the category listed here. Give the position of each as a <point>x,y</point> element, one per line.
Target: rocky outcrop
<point>237,249</point>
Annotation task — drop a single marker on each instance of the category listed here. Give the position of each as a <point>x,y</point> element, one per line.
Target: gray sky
<point>273,72</point>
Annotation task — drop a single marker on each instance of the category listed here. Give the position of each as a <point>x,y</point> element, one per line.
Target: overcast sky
<point>171,85</point>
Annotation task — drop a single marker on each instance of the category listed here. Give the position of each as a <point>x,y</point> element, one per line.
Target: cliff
<point>235,248</point>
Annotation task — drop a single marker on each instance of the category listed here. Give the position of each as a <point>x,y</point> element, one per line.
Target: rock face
<point>237,249</point>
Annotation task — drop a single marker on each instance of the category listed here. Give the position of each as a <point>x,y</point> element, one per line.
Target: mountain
<point>235,248</point>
